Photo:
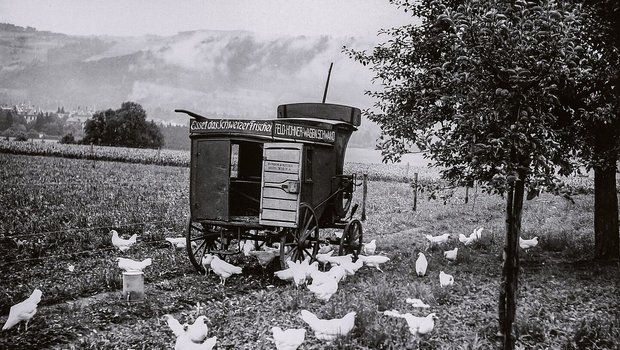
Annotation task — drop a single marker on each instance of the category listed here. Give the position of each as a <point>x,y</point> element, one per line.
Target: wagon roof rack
<point>329,111</point>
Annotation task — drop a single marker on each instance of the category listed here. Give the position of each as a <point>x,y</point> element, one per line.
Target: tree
<point>126,127</point>
<point>594,104</point>
<point>476,85</point>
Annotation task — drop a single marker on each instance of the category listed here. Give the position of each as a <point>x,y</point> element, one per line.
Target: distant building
<point>79,118</point>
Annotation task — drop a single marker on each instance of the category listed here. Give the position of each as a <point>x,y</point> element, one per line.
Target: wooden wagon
<point>276,180</point>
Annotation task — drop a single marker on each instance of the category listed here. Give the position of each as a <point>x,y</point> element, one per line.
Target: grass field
<point>58,212</point>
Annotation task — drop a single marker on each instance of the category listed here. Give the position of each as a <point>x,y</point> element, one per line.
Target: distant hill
<point>214,73</point>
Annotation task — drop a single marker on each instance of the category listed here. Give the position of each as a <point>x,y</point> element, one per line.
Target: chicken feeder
<point>133,285</point>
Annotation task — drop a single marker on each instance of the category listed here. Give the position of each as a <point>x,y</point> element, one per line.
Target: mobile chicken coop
<point>277,180</point>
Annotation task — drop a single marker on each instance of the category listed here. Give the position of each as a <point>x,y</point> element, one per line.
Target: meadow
<point>58,212</point>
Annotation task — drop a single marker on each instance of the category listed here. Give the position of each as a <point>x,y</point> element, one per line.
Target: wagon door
<point>210,174</point>
<point>280,187</point>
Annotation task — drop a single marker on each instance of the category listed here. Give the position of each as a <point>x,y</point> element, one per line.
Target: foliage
<point>176,137</point>
<point>67,139</point>
<point>45,123</point>
<point>594,333</point>
<point>126,126</point>
<point>592,101</point>
<point>476,85</point>
<point>21,137</point>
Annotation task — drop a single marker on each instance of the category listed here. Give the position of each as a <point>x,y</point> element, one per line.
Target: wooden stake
<point>415,191</point>
<point>364,193</point>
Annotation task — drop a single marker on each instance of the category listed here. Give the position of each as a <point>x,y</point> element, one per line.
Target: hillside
<point>215,73</point>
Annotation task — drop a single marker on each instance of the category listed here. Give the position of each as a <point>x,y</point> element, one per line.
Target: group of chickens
<point>25,310</point>
<point>445,279</point>
<point>324,285</point>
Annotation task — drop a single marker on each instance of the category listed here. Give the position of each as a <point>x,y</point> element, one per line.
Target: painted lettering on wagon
<point>229,125</point>
<point>304,132</point>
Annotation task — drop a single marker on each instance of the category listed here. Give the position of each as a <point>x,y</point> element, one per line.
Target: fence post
<point>466,194</point>
<point>92,154</point>
<point>415,191</point>
<point>364,192</point>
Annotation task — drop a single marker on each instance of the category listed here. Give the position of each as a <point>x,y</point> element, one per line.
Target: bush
<point>68,139</point>
<point>21,137</point>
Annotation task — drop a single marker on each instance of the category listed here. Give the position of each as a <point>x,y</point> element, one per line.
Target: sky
<point>168,17</point>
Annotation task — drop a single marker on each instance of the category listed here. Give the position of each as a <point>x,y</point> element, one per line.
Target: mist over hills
<point>214,73</point>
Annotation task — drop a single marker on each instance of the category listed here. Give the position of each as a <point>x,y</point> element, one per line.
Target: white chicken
<point>473,237</point>
<point>417,325</point>
<point>324,288</point>
<point>206,263</point>
<point>301,270</point>
<point>337,260</point>
<point>370,247</point>
<point>194,338</point>
<point>185,343</point>
<point>266,256</point>
<point>338,272</point>
<point>177,328</point>
<point>224,269</point>
<point>319,277</point>
<point>285,275</point>
<point>289,339</point>
<point>477,233</point>
<point>445,279</point>
<point>247,246</point>
<point>417,303</point>
<point>123,244</point>
<point>465,240</point>
<point>329,330</point>
<point>421,264</point>
<point>351,267</point>
<point>451,254</point>
<point>325,248</point>
<point>133,265</point>
<point>438,239</point>
<point>322,257</point>
<point>198,330</point>
<point>528,243</point>
<point>23,311</point>
<point>374,260</point>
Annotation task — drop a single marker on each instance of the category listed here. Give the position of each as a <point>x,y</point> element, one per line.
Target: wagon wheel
<point>202,239</point>
<point>351,240</point>
<point>305,238</point>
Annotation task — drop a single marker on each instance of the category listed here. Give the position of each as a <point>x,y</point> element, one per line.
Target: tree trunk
<point>510,269</point>
<point>606,233</point>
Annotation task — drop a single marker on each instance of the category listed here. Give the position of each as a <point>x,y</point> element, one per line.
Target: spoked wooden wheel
<point>351,240</point>
<point>303,241</point>
<point>201,240</point>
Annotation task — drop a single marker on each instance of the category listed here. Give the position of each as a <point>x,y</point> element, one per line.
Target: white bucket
<point>133,285</point>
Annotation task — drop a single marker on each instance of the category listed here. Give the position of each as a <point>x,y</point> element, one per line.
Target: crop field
<point>58,212</point>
